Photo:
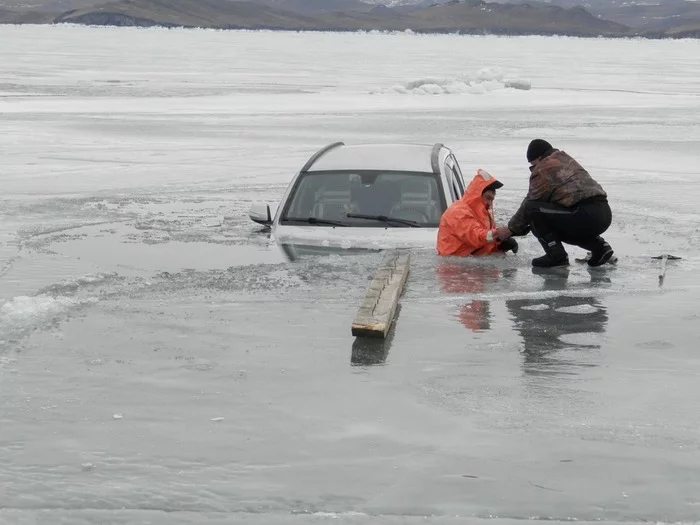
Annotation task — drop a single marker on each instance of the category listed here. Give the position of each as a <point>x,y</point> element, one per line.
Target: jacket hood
<point>479,183</point>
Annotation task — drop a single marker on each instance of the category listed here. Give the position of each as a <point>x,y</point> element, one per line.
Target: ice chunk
<point>24,307</point>
<point>581,339</point>
<point>578,309</point>
<point>517,83</point>
<point>536,307</point>
<point>485,80</point>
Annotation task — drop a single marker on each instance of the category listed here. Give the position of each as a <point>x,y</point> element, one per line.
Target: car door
<point>455,184</point>
<point>458,175</point>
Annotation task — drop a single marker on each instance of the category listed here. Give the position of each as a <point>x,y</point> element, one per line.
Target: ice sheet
<point>132,283</point>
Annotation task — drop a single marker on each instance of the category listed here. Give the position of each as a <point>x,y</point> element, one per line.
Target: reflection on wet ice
<point>547,325</point>
<point>457,278</point>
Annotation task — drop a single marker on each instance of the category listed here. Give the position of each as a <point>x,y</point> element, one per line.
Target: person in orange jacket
<point>467,227</point>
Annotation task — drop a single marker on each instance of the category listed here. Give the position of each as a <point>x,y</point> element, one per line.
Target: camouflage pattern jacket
<point>558,179</point>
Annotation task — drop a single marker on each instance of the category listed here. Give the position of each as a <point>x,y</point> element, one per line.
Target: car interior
<point>398,195</point>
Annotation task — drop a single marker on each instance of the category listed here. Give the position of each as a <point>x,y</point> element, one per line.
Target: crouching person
<point>564,204</point>
<point>468,226</point>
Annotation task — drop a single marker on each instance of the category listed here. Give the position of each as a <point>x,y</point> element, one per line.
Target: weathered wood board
<point>376,312</point>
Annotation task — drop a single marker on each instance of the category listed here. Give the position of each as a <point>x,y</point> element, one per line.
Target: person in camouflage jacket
<point>564,204</point>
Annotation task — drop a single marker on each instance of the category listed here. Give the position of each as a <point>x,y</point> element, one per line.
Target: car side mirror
<point>261,214</point>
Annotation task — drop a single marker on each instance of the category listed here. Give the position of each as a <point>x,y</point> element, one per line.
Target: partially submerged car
<point>367,196</point>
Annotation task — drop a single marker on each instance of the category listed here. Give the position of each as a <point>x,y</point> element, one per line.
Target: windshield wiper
<point>384,218</point>
<point>314,220</point>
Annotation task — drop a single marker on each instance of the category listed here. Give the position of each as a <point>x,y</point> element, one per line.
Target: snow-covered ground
<point>161,361</point>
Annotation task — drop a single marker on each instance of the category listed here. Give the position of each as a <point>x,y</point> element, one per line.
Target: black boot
<point>601,252</point>
<point>555,255</point>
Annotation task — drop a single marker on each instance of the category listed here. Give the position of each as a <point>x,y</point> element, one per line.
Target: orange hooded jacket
<point>467,226</point>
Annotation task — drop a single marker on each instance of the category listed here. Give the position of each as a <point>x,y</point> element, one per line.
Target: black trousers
<point>579,225</point>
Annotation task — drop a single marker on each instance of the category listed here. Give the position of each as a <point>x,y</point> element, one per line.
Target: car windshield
<point>413,197</point>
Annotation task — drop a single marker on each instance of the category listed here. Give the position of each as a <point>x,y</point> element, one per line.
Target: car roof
<point>400,157</point>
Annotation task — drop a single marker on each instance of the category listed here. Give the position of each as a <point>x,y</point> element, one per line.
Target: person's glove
<point>509,244</point>
<point>502,233</point>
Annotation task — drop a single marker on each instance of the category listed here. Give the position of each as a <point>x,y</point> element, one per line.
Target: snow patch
<point>24,312</point>
<point>536,307</point>
<point>337,515</point>
<point>6,361</point>
<point>25,307</point>
<point>484,81</point>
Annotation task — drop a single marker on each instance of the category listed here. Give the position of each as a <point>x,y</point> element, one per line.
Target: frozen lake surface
<point>162,362</point>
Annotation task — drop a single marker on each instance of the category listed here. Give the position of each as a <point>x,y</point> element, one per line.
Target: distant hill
<point>222,14</point>
<point>468,16</point>
<point>46,6</point>
<point>612,18</point>
<point>13,16</point>
<point>317,6</point>
<point>690,30</point>
<point>656,15</point>
<point>476,15</point>
<point>299,6</point>
<point>662,16</point>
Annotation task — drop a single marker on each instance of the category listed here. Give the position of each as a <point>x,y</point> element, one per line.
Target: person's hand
<point>503,233</point>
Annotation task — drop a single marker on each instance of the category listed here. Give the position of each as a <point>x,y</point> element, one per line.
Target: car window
<point>459,187</point>
<point>453,179</point>
<point>459,176</point>
<point>331,196</point>
<point>448,177</point>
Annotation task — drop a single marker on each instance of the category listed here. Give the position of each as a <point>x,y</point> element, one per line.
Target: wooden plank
<point>376,311</point>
